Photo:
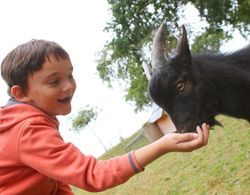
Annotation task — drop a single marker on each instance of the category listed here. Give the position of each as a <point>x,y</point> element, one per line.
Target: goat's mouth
<point>188,127</point>
<point>191,126</point>
<point>185,126</point>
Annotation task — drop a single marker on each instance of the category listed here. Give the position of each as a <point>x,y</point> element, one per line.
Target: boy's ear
<point>18,93</point>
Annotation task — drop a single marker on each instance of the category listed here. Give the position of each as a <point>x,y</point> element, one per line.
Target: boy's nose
<point>69,86</point>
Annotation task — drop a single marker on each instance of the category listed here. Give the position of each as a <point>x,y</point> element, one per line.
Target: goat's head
<point>176,85</point>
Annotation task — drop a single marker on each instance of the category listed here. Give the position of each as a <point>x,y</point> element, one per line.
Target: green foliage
<point>83,118</point>
<point>133,22</point>
<point>225,12</point>
<point>132,25</point>
<point>209,41</point>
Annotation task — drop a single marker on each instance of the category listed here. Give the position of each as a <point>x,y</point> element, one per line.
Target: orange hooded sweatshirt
<point>34,159</point>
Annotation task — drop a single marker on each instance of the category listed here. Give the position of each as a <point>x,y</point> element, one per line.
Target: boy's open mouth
<point>65,100</point>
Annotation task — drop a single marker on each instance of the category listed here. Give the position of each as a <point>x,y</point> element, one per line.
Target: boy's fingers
<point>189,145</point>
<point>205,128</point>
<point>203,133</point>
<point>192,141</point>
<point>187,137</point>
<point>200,140</point>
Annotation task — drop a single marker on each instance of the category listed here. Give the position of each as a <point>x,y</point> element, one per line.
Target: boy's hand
<point>173,142</point>
<point>186,142</point>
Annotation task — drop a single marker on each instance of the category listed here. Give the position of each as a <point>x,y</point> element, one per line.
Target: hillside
<point>222,167</point>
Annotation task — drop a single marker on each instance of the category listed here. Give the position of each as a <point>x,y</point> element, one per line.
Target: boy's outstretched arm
<point>173,142</point>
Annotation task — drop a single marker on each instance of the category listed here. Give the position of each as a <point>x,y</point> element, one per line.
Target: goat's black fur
<point>193,89</point>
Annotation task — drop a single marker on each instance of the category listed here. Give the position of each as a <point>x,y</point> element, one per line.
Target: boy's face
<point>51,88</point>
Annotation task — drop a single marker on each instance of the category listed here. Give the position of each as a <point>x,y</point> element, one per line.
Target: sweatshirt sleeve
<point>63,188</point>
<point>41,147</point>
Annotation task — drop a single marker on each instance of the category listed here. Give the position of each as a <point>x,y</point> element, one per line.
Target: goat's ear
<point>182,48</point>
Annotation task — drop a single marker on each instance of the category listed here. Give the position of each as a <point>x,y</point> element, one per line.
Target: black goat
<point>193,89</point>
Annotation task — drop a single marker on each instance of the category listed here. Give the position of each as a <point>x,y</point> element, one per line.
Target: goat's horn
<point>182,44</point>
<point>158,54</point>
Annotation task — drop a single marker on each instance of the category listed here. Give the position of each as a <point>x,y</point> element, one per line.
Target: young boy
<point>34,159</point>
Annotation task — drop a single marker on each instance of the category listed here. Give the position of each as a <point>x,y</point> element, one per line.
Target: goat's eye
<point>180,86</point>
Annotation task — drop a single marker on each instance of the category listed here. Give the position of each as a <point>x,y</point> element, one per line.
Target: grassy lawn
<point>222,167</point>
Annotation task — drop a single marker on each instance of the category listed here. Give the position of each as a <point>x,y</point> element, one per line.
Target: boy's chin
<point>63,113</point>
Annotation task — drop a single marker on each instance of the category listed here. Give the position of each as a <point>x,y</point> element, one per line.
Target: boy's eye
<point>54,82</point>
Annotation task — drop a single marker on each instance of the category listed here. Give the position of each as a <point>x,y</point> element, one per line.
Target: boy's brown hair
<point>26,59</point>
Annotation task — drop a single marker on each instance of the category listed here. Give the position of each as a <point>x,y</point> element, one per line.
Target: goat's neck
<point>228,82</point>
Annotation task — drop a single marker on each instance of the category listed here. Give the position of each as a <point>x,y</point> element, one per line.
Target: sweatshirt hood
<point>15,112</point>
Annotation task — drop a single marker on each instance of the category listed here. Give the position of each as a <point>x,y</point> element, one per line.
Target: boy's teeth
<point>64,100</point>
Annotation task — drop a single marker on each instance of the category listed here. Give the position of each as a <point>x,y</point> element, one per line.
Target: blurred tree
<point>133,22</point>
<point>84,117</point>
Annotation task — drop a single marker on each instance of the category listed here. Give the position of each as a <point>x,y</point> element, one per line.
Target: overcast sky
<point>78,26</point>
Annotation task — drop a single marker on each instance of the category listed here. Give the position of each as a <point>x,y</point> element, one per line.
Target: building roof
<point>157,113</point>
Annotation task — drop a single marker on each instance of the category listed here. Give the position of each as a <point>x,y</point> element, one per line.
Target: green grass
<point>222,167</point>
